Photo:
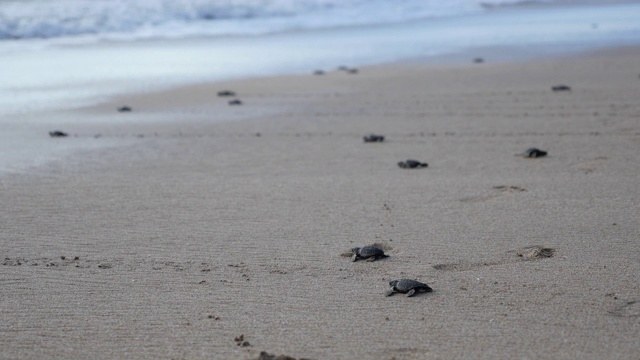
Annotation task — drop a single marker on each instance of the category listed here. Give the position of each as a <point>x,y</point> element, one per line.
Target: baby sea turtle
<point>561,88</point>
<point>226,93</point>
<point>407,286</point>
<point>412,164</point>
<point>373,138</point>
<point>58,133</point>
<point>235,102</point>
<point>533,153</point>
<point>369,253</point>
<point>348,70</point>
<point>124,109</point>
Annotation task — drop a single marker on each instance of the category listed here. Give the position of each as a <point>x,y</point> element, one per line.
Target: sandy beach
<point>207,221</point>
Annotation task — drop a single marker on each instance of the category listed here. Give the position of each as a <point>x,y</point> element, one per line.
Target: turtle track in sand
<point>496,191</point>
<point>527,253</point>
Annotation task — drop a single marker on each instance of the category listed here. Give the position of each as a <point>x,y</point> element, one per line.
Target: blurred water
<point>135,19</point>
<point>42,77</point>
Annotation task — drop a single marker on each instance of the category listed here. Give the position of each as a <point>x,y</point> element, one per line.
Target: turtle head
<point>355,250</point>
<point>393,283</point>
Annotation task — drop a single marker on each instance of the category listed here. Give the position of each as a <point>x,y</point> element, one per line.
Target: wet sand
<point>213,221</point>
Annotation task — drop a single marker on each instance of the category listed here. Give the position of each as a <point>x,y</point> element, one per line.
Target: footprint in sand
<point>528,253</point>
<point>241,269</point>
<point>533,252</point>
<point>497,191</point>
<point>47,262</point>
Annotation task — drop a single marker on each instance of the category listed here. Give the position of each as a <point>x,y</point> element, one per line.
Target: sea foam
<point>137,19</point>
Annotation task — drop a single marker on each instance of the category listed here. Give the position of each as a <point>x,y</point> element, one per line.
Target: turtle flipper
<point>411,292</point>
<point>390,292</point>
<point>372,258</point>
<point>354,257</point>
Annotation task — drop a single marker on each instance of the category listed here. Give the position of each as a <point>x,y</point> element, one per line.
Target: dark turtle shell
<point>368,252</point>
<point>58,133</point>
<point>224,93</point>
<point>373,138</point>
<point>412,164</point>
<point>407,286</point>
<point>534,153</point>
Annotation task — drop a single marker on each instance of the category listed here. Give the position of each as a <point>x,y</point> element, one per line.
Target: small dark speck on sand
<point>58,133</point>
<point>224,93</point>
<point>266,356</point>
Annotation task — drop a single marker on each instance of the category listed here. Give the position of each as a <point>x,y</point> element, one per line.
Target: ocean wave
<point>26,19</point>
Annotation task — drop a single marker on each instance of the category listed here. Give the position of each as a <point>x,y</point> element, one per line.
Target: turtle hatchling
<point>225,93</point>
<point>58,133</point>
<point>374,138</point>
<point>412,164</point>
<point>533,153</point>
<point>561,88</point>
<point>407,286</point>
<point>369,253</point>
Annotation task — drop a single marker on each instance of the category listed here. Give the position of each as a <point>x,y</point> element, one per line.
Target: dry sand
<point>212,221</point>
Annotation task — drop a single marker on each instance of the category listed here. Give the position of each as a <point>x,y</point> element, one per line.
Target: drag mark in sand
<point>497,191</point>
<point>82,263</point>
<point>630,309</point>
<point>266,356</point>
<point>527,253</point>
<point>591,165</point>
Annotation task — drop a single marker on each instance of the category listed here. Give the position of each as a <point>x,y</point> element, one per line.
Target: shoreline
<point>196,101</point>
<point>201,230</point>
<point>42,96</point>
<point>134,126</point>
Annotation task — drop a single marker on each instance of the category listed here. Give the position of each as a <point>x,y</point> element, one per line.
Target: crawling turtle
<point>412,164</point>
<point>369,253</point>
<point>235,102</point>
<point>348,70</point>
<point>373,138</point>
<point>561,88</point>
<point>58,133</point>
<point>533,153</point>
<point>125,109</point>
<point>226,93</point>
<point>407,286</point>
